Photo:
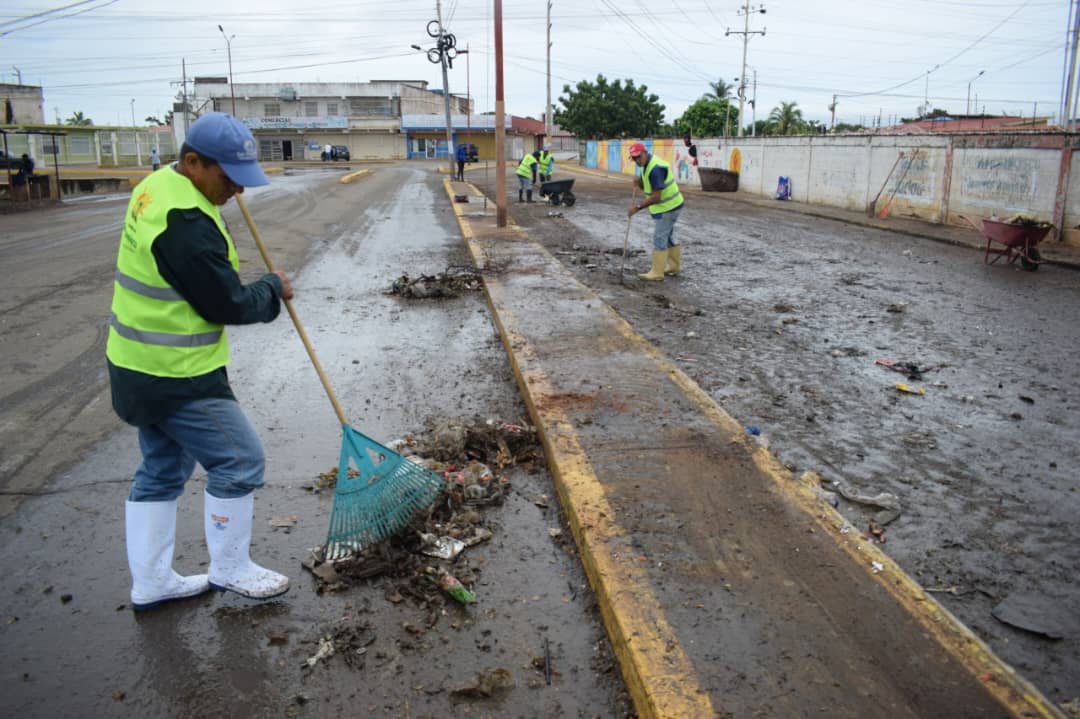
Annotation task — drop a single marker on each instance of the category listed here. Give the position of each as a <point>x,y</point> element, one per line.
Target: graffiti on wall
<point>735,160</point>
<point>915,178</point>
<point>993,177</point>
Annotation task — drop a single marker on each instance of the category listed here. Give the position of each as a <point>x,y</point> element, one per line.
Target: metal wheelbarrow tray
<point>558,191</point>
<point>1013,241</point>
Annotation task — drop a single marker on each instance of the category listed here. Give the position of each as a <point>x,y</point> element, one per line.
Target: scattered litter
<point>753,431</point>
<point>877,531</point>
<point>554,214</point>
<point>451,585</point>
<point>283,522</point>
<point>897,307</point>
<point>877,567</point>
<point>326,650</point>
<point>486,685</point>
<point>847,352</point>
<point>889,502</point>
<point>451,283</point>
<point>690,335</point>
<point>909,369</point>
<point>783,307</point>
<point>910,390</point>
<point>441,547</point>
<point>1036,614</point>
<point>1029,400</point>
<point>461,198</point>
<point>554,532</point>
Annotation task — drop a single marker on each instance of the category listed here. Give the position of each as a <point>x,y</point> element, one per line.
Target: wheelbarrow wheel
<point>1030,261</point>
<point>569,200</point>
<point>555,198</point>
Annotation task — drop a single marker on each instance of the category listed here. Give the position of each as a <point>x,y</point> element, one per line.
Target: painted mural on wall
<point>735,160</point>
<point>997,177</point>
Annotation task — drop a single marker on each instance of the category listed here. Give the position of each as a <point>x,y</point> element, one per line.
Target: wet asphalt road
<point>72,647</point>
<point>781,317</point>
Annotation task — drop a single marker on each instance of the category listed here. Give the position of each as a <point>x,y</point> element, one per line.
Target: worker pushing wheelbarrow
<point>1014,239</point>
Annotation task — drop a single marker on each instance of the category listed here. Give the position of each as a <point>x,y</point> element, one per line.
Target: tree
<point>153,120</point>
<point>721,90</point>
<point>845,127</point>
<point>706,118</point>
<point>78,119</point>
<point>603,110</point>
<point>786,119</point>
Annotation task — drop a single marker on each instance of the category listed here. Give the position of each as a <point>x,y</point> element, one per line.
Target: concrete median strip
<point>727,587</point>
<point>354,176</point>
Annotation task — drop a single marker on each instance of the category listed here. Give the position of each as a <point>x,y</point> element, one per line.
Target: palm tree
<point>78,119</point>
<point>786,118</point>
<point>721,90</point>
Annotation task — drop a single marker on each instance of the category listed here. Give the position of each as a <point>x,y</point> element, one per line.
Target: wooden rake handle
<point>292,313</point>
<point>626,239</point>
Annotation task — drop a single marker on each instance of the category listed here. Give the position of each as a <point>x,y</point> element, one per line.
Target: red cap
<point>636,149</point>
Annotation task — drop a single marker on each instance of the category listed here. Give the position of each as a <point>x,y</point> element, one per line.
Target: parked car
<point>339,152</point>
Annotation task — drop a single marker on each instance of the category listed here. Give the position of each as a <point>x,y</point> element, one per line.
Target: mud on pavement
<point>962,470</point>
<point>386,645</point>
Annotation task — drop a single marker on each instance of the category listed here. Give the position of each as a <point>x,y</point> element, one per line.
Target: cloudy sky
<point>880,57</point>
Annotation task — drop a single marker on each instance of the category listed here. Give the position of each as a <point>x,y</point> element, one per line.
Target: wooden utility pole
<point>500,123</point>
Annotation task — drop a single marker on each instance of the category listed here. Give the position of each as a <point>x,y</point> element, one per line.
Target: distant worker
<point>327,153</point>
<point>155,159</point>
<point>526,173</point>
<point>20,181</point>
<point>547,163</point>
<point>462,157</point>
<point>177,285</point>
<point>664,201</point>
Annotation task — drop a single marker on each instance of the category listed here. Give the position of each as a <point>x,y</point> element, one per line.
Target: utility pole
<point>746,32</point>
<point>183,95</point>
<point>445,86</point>
<point>500,123</point>
<point>547,111</point>
<point>18,73</point>
<point>968,111</point>
<point>228,49</point>
<point>753,108</point>
<point>832,109</point>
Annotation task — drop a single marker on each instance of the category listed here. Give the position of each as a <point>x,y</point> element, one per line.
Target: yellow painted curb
<point>659,675</point>
<point>353,176</point>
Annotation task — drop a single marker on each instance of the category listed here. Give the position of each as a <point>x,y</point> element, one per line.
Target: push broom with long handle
<point>388,489</point>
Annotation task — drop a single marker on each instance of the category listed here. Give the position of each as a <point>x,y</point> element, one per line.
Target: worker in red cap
<point>664,201</point>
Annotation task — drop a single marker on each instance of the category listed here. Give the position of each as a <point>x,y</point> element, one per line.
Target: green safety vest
<point>153,329</point>
<point>525,168</point>
<point>545,162</point>
<point>670,197</point>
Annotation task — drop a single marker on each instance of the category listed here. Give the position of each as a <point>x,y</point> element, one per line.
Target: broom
<point>381,498</point>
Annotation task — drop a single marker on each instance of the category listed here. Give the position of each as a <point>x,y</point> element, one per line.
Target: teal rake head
<point>380,501</point>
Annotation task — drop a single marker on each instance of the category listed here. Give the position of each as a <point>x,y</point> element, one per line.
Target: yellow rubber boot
<point>674,260</point>
<point>659,259</point>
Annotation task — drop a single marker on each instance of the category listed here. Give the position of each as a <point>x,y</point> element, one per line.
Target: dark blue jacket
<point>462,153</point>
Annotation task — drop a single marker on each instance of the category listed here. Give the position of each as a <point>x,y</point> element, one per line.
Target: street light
<point>969,90</point>
<point>133,113</point>
<point>228,49</point>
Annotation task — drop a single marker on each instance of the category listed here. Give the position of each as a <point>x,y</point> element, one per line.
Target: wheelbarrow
<point>1012,241</point>
<point>558,191</point>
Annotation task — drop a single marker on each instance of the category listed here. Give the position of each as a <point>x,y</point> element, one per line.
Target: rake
<point>386,490</point>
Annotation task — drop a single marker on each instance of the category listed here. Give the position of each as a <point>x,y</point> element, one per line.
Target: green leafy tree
<point>846,127</point>
<point>707,118</point>
<point>78,119</point>
<point>153,120</point>
<point>603,110</point>
<point>719,90</point>
<point>786,119</point>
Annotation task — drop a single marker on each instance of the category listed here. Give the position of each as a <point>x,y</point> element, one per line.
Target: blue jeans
<point>664,229</point>
<point>213,432</point>
<point>524,183</point>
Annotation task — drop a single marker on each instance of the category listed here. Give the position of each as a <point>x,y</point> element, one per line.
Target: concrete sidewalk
<point>1053,252</point>
<point>728,587</point>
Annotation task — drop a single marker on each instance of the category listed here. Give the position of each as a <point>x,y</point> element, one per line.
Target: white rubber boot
<point>151,536</point>
<point>228,537</point>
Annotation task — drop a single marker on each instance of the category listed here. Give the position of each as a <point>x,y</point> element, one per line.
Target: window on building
<point>370,106</point>
<point>80,145</point>
<point>272,109</point>
<point>331,109</point>
<point>311,109</point>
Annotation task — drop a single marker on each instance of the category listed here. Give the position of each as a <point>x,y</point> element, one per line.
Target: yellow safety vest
<point>525,168</point>
<point>545,162</point>
<point>670,197</point>
<point>153,329</point>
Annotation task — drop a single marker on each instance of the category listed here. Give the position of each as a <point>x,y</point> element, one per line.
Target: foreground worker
<point>176,288</point>
<point>664,201</point>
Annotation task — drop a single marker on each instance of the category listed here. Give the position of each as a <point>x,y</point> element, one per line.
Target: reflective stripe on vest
<point>525,167</point>
<point>670,196</point>
<point>153,330</point>
<point>545,162</point>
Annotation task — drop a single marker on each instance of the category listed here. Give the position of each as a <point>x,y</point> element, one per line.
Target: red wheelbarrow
<point>1016,240</point>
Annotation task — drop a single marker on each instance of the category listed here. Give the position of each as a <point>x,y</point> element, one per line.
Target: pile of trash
<point>452,283</point>
<point>428,562</point>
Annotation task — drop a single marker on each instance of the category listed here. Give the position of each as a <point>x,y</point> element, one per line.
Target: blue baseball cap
<point>229,142</point>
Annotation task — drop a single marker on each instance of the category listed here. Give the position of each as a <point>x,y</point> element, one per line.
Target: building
<point>968,123</point>
<point>22,105</point>
<point>377,120</point>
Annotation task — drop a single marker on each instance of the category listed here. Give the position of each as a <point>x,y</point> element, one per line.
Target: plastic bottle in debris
<point>452,586</point>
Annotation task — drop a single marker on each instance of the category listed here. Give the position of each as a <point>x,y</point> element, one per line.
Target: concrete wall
<point>27,104</point>
<point>930,177</point>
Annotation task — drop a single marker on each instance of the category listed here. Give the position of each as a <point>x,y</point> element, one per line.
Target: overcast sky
<point>879,56</point>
